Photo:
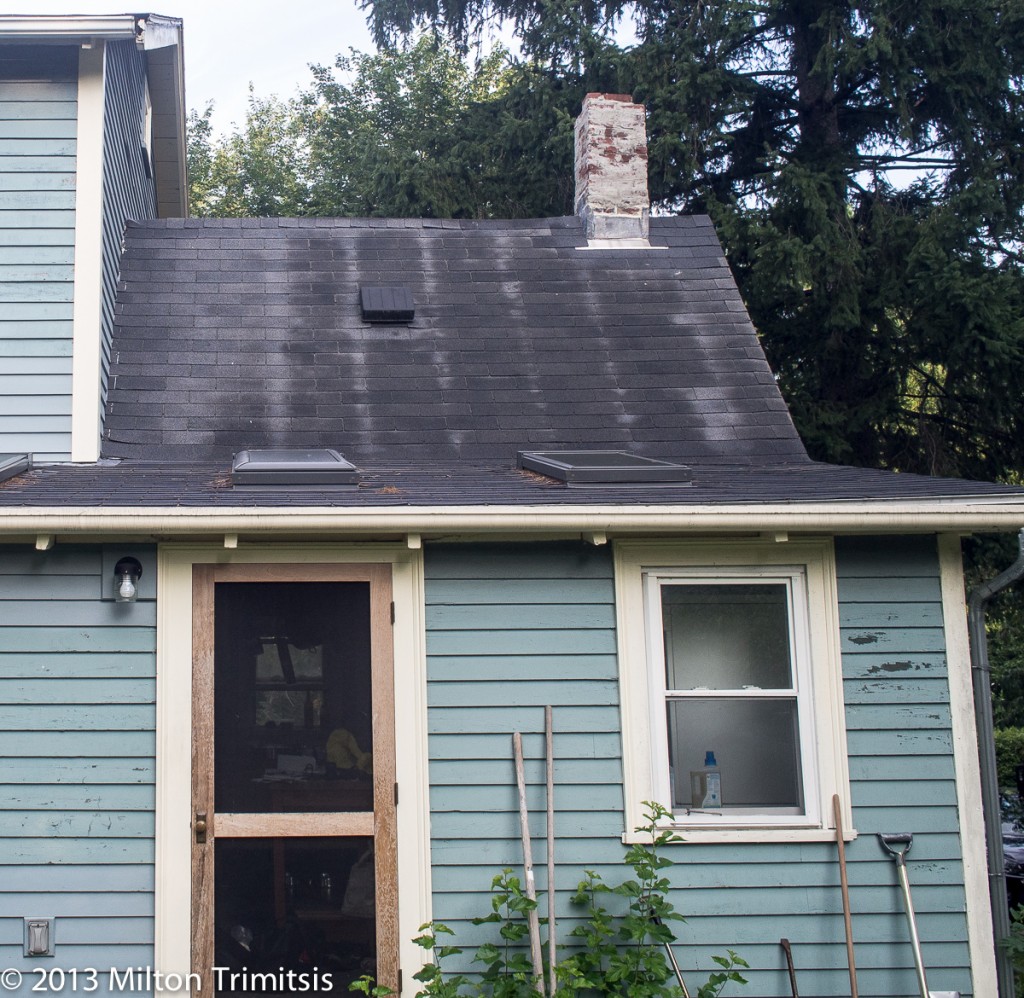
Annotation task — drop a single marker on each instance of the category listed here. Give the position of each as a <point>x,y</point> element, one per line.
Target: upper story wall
<point>38,146</point>
<point>128,188</point>
<point>73,170</point>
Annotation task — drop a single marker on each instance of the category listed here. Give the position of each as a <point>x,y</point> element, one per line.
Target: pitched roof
<point>142,484</point>
<point>237,334</point>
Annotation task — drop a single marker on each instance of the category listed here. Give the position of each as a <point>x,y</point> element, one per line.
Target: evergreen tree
<point>865,166</point>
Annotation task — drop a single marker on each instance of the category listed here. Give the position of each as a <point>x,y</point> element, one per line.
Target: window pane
<point>299,906</point>
<point>756,746</point>
<point>292,697</point>
<point>726,637</point>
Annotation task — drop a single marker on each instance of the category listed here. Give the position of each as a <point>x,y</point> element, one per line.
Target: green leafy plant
<point>508,972</point>
<point>627,954</point>
<point>1013,945</point>
<point>365,985</point>
<point>615,953</point>
<point>431,975</point>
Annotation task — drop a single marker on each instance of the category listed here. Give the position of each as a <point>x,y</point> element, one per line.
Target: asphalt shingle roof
<point>247,333</point>
<point>144,484</point>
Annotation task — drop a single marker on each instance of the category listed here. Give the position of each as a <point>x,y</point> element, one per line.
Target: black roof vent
<point>604,467</point>
<point>289,467</point>
<point>13,464</point>
<point>387,304</point>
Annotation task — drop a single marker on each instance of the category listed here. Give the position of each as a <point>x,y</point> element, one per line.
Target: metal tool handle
<point>915,941</point>
<point>891,842</point>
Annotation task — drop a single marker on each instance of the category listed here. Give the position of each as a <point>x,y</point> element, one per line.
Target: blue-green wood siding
<point>38,125</point>
<point>77,747</point>
<point>512,628</point>
<point>128,190</point>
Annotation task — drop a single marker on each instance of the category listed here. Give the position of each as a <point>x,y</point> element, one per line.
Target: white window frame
<point>808,569</point>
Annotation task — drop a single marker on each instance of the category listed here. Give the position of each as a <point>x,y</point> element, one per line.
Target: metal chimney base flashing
<point>608,225</point>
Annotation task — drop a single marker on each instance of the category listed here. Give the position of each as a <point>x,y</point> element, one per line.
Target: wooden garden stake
<point>533,919</point>
<point>549,743</point>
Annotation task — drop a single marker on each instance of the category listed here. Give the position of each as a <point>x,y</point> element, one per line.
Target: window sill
<point>750,833</point>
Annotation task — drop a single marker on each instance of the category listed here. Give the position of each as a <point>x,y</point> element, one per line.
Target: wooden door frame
<point>381,824</point>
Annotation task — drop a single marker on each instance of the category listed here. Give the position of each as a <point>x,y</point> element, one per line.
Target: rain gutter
<point>60,28</point>
<point>981,674</point>
<point>887,517</point>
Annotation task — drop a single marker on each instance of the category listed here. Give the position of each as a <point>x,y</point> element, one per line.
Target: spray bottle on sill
<point>706,784</point>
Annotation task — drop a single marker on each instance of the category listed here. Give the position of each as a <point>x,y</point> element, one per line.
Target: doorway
<point>294,859</point>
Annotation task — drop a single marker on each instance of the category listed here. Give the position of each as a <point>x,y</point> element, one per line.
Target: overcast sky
<point>229,44</point>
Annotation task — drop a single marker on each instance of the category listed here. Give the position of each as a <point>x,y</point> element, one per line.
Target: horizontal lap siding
<point>901,767</point>
<point>511,628</point>
<point>38,124</point>
<point>128,193</point>
<point>77,747</point>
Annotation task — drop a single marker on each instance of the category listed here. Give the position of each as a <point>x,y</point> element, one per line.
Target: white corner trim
<point>88,304</point>
<point>967,769</point>
<point>174,733</point>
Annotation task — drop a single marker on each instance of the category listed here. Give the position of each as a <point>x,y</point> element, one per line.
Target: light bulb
<point>126,590</point>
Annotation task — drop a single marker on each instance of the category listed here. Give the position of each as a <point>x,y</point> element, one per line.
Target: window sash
<point>795,581</point>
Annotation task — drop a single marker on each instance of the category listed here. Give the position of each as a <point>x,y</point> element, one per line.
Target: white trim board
<point>174,733</point>
<point>88,304</point>
<point>902,517</point>
<point>967,768</point>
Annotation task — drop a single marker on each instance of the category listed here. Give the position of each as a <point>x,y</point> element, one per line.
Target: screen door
<point>293,778</point>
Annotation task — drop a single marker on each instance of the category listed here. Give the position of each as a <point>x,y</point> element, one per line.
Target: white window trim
<point>645,748</point>
<point>174,733</point>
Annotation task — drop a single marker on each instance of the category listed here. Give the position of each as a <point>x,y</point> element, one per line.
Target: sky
<point>269,43</point>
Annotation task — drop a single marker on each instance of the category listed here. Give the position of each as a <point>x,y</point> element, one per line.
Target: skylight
<point>12,464</point>
<point>286,466</point>
<point>603,467</point>
<point>387,304</point>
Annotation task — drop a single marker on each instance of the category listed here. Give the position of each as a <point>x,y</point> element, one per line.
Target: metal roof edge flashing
<point>13,464</point>
<point>284,467</point>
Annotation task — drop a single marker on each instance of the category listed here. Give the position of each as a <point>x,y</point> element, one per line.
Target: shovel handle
<point>891,842</point>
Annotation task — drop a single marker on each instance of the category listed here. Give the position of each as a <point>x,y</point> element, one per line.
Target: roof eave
<point>66,28</point>
<point>163,43</point>
<point>928,516</point>
<point>161,39</point>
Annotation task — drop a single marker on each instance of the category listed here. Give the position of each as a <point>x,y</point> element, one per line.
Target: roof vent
<point>288,467</point>
<point>13,464</point>
<point>387,304</point>
<point>604,467</point>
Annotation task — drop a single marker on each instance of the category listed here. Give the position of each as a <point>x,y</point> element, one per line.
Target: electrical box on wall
<point>39,936</point>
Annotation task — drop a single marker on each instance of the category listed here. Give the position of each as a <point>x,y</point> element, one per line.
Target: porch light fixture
<point>126,580</point>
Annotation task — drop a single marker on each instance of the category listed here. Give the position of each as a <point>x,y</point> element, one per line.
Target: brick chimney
<point>611,168</point>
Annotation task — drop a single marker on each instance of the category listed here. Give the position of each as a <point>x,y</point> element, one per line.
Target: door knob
<point>199,826</point>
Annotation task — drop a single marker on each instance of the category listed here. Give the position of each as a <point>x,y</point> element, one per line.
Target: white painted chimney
<point>611,168</point>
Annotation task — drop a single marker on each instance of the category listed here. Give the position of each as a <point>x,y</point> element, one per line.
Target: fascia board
<point>167,92</point>
<point>889,517</point>
<point>57,28</point>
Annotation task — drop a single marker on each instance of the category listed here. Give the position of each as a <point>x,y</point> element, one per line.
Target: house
<point>369,496</point>
<point>91,134</point>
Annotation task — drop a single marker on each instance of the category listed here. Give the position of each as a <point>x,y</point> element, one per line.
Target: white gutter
<point>58,27</point>
<point>854,517</point>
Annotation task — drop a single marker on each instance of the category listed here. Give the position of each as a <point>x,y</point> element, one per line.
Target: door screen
<point>293,778</point>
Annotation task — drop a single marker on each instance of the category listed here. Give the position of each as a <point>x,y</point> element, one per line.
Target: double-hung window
<point>732,701</point>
